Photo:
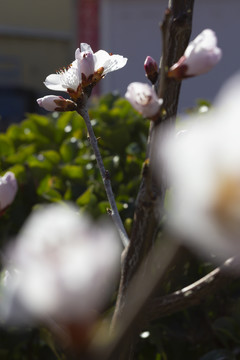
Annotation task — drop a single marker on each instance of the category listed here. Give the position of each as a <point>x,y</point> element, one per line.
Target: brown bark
<point>176,30</point>
<point>194,293</point>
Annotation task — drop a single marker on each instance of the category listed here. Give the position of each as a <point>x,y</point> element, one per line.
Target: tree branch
<point>105,177</point>
<point>176,30</point>
<point>194,293</point>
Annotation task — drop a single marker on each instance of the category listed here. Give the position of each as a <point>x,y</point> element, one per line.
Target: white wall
<point>131,28</point>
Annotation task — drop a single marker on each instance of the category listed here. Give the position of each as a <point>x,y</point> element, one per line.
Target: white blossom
<point>8,189</point>
<point>203,170</point>
<point>62,266</point>
<point>98,64</point>
<point>201,55</point>
<point>144,99</point>
<point>87,69</point>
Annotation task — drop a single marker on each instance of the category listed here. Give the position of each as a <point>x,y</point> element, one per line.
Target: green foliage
<point>53,160</point>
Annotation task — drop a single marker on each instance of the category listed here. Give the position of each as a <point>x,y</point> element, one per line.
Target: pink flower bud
<point>8,189</point>
<point>144,99</point>
<point>201,55</point>
<point>151,69</point>
<point>56,103</point>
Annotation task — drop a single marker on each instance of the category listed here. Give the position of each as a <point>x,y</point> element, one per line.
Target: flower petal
<point>100,57</point>
<point>85,47</point>
<point>115,62</point>
<point>54,82</point>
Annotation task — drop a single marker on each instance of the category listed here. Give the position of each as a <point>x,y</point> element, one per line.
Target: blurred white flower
<point>62,266</point>
<point>203,169</point>
<point>55,103</point>
<point>144,99</point>
<point>8,189</point>
<point>201,55</point>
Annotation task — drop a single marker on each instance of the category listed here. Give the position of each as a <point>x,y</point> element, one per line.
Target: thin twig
<point>105,177</point>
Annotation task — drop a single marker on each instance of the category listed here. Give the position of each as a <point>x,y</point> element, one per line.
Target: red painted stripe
<point>88,23</point>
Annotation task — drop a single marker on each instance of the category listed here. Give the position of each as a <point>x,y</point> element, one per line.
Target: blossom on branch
<point>201,55</point>
<point>61,266</point>
<point>203,170</point>
<point>86,70</point>
<point>8,189</point>
<point>144,99</point>
<point>56,103</point>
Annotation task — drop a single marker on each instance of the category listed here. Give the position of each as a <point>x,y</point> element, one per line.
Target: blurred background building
<point>39,37</point>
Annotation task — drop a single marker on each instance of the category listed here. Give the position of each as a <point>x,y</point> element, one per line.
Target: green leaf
<point>20,173</point>
<point>87,198</point>
<point>69,149</point>
<point>51,155</point>
<point>73,172</point>
<point>103,206</point>
<point>44,125</point>
<point>21,155</point>
<point>28,126</point>
<point>39,165</point>
<point>64,120</point>
<point>51,195</point>
<point>78,124</point>
<point>41,121</point>
<point>13,132</point>
<point>49,188</point>
<point>6,145</point>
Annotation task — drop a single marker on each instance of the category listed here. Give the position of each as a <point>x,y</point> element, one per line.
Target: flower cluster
<point>203,168</point>
<point>80,76</point>
<point>201,55</point>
